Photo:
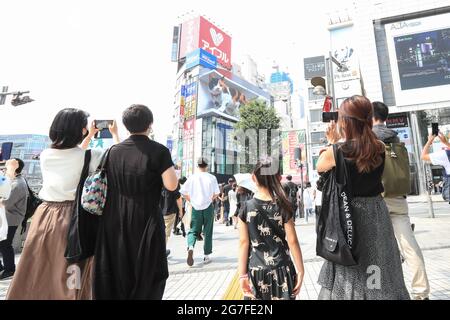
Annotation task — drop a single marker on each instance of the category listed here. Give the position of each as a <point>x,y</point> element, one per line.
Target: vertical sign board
<point>198,140</point>
<point>189,37</point>
<point>290,140</point>
<point>190,109</point>
<point>175,43</point>
<point>188,152</point>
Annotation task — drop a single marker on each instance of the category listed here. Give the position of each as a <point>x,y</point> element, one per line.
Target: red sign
<point>215,41</point>
<point>189,129</point>
<point>200,33</point>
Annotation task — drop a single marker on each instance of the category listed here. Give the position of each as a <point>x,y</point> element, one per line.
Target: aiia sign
<point>201,57</point>
<point>199,33</point>
<point>404,24</point>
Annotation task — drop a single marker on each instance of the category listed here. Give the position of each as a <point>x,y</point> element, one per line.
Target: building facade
<point>281,87</point>
<point>209,91</point>
<point>398,53</point>
<point>404,58</point>
<point>28,147</point>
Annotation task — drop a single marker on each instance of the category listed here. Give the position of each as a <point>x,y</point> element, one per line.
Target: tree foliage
<point>257,115</point>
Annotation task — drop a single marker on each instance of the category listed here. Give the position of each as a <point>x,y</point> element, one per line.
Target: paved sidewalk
<point>211,281</point>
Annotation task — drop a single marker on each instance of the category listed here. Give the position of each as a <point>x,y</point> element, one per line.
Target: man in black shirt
<point>171,204</point>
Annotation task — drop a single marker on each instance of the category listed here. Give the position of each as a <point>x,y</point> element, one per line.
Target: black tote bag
<point>83,228</point>
<point>335,229</point>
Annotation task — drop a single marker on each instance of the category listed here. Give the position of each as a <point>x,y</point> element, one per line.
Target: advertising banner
<point>188,147</point>
<point>198,139</point>
<point>190,108</point>
<point>290,140</point>
<point>189,126</point>
<point>221,96</point>
<point>175,42</point>
<point>189,37</point>
<point>397,120</point>
<point>419,52</point>
<point>343,50</point>
<point>182,100</point>
<point>216,41</point>
<point>169,144</point>
<point>201,57</point>
<point>200,33</point>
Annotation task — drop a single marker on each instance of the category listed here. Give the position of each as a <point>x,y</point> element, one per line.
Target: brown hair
<point>272,182</point>
<point>362,146</point>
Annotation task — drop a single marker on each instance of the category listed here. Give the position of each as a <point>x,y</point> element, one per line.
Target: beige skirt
<point>43,273</point>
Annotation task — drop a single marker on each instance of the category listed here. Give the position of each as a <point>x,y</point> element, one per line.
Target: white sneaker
<point>207,260</point>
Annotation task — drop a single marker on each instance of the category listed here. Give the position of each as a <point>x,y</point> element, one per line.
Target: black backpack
<point>33,202</point>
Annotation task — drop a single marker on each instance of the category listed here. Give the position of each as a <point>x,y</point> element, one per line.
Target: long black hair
<point>66,131</point>
<point>273,183</point>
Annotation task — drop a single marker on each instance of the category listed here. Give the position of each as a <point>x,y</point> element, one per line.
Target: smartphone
<point>435,129</point>
<point>6,150</point>
<point>329,116</point>
<point>103,126</point>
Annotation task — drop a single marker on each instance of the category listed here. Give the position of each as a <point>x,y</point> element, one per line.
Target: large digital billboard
<point>419,54</point>
<point>423,59</point>
<point>222,96</point>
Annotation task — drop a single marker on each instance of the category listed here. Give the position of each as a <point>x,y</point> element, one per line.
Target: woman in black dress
<point>130,257</point>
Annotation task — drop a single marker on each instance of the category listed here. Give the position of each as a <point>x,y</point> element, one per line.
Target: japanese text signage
<point>314,67</point>
<point>200,33</point>
<point>201,57</point>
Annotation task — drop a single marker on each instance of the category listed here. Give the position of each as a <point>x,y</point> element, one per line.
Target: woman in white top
<point>43,272</point>
<point>308,200</point>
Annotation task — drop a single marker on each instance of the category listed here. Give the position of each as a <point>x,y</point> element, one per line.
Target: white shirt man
<point>200,190</point>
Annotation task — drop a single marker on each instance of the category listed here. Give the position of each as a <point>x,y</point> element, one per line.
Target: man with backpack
<point>396,183</point>
<point>291,189</point>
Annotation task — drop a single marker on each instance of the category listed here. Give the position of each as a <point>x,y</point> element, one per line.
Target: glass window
<point>316,115</point>
<point>315,159</point>
<point>318,138</point>
<point>313,96</point>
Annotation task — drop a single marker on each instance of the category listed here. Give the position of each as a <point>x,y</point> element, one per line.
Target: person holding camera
<point>438,158</point>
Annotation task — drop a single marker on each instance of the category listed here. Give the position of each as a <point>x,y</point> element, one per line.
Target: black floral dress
<point>270,269</point>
